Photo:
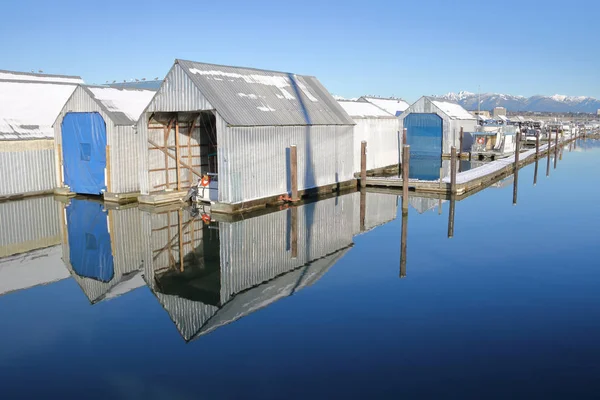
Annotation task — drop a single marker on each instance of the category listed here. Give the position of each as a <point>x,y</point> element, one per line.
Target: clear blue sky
<point>401,48</point>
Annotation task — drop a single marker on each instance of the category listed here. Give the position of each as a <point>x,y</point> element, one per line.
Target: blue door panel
<point>424,135</point>
<point>90,250</point>
<point>84,152</point>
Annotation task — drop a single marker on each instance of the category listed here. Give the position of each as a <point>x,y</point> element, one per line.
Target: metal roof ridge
<point>178,60</point>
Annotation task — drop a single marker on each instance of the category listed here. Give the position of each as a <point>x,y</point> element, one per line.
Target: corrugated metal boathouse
<point>29,104</point>
<point>379,129</point>
<point>433,127</point>
<point>236,125</point>
<point>96,143</point>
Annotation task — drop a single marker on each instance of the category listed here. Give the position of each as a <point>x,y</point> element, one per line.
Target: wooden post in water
<point>400,139</point>
<point>537,157</point>
<point>460,141</point>
<point>294,172</point>
<point>453,170</point>
<point>403,237</point>
<point>363,164</point>
<point>516,173</point>
<point>177,150</point>
<point>556,150</point>
<point>548,153</point>
<point>451,215</point>
<point>404,137</point>
<point>405,176</point>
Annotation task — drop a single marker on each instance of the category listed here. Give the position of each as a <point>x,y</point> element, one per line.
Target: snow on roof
<point>393,106</point>
<point>28,109</point>
<point>125,105</point>
<point>26,76</point>
<point>453,110</point>
<point>254,97</point>
<point>361,109</point>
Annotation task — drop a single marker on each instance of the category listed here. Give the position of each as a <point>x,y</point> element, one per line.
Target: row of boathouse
<point>231,128</point>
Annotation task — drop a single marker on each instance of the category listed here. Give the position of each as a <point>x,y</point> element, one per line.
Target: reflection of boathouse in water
<point>101,248</point>
<point>208,275</point>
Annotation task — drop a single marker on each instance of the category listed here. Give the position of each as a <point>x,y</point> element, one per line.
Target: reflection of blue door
<point>84,152</point>
<point>90,251</point>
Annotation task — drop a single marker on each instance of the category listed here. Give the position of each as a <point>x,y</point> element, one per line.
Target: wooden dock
<point>465,181</point>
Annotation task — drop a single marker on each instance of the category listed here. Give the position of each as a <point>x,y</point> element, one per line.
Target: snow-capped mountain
<point>556,103</point>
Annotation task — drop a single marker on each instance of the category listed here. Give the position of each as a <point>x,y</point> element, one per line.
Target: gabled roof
<point>28,108</point>
<point>123,105</point>
<point>453,110</point>
<point>254,97</point>
<point>391,105</point>
<point>362,109</point>
<point>33,77</point>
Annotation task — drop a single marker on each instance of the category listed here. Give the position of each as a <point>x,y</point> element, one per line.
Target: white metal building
<point>237,125</point>
<point>392,105</point>
<point>379,129</point>
<point>29,104</point>
<point>96,143</point>
<point>433,126</point>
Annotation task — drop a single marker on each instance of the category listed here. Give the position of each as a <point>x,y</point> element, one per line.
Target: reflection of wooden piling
<point>453,170</point>
<point>556,150</point>
<point>403,245</point>
<point>405,176</point>
<point>294,172</point>
<point>451,215</point>
<point>363,209</point>
<point>548,153</point>
<point>516,174</point>
<point>363,164</point>
<point>294,233</point>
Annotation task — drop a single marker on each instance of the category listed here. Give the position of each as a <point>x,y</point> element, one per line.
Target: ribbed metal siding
<point>450,127</point>
<point>258,249</point>
<point>254,159</point>
<point>178,93</point>
<point>28,224</point>
<point>381,135</point>
<point>26,171</point>
<point>380,209</point>
<point>123,142</point>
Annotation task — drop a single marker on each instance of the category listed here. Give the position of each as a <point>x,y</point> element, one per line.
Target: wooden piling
<point>460,140</point>
<point>294,172</point>
<point>405,176</point>
<point>453,170</point>
<point>403,238</point>
<point>516,173</point>
<point>363,164</point>
<point>177,155</point>
<point>548,153</point>
<point>537,146</point>
<point>556,150</point>
<point>404,137</point>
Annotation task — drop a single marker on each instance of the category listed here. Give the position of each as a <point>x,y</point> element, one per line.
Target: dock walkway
<point>465,181</point>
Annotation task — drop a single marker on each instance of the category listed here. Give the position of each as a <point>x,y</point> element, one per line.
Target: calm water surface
<point>507,308</point>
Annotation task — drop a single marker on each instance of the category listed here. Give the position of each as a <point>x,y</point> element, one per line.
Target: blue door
<point>424,135</point>
<point>90,250</point>
<point>84,152</point>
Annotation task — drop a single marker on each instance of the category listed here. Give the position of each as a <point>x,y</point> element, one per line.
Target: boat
<point>494,142</point>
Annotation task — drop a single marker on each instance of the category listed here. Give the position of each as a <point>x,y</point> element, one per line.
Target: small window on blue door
<point>85,151</point>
